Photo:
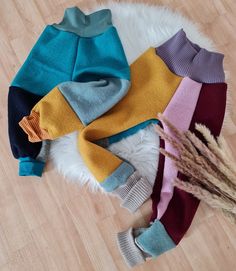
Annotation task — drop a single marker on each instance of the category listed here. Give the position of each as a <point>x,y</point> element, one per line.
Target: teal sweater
<point>81,48</point>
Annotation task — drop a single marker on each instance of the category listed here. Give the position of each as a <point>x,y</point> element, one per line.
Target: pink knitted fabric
<point>179,112</point>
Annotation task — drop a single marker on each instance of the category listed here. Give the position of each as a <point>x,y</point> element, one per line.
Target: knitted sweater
<point>81,48</point>
<point>153,86</point>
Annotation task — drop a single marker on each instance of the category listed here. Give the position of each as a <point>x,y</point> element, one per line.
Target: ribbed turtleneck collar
<point>188,59</point>
<point>93,24</point>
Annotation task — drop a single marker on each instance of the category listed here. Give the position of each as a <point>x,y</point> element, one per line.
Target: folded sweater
<point>81,48</point>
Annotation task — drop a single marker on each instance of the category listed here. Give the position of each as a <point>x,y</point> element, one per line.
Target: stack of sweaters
<point>76,78</point>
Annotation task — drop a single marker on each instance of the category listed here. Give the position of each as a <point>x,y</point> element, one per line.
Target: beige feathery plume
<point>230,216</point>
<point>209,154</point>
<point>211,199</point>
<point>210,166</point>
<point>180,136</point>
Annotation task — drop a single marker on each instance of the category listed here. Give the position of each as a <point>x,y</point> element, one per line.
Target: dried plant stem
<point>210,167</point>
<point>180,136</point>
<point>213,200</point>
<point>205,151</point>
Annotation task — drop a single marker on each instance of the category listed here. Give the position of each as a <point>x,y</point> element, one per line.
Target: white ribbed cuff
<point>129,250</point>
<point>134,192</point>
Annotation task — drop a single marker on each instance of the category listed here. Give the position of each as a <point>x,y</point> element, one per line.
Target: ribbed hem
<point>134,192</point>
<point>30,125</point>
<point>130,252</point>
<point>30,167</point>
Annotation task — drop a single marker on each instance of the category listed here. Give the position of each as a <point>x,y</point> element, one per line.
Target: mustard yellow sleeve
<point>113,174</point>
<point>50,118</point>
<point>101,162</point>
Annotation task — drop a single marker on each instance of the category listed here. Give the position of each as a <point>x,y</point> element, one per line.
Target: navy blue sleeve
<point>20,103</point>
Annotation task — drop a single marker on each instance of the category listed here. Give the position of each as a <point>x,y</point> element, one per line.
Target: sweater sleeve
<point>20,103</point>
<point>50,118</point>
<point>164,234</point>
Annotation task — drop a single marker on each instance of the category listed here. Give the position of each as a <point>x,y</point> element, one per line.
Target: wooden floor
<point>52,225</point>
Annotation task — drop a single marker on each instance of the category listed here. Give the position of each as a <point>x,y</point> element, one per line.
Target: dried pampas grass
<point>210,167</point>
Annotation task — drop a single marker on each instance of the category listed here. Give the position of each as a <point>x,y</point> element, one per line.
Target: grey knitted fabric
<point>130,252</point>
<point>188,59</point>
<point>124,189</point>
<point>134,192</point>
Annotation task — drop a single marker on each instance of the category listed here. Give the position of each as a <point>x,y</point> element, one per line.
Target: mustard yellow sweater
<point>152,87</point>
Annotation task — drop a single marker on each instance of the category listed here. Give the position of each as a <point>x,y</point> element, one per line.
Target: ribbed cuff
<point>130,252</point>
<point>31,126</point>
<point>134,192</point>
<point>30,167</point>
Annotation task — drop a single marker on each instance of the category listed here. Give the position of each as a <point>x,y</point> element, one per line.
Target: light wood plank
<point>53,225</point>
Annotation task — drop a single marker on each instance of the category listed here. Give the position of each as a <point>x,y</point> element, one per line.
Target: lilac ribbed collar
<point>190,60</point>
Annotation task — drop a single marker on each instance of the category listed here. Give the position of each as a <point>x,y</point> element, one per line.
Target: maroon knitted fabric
<point>156,193</point>
<point>209,111</point>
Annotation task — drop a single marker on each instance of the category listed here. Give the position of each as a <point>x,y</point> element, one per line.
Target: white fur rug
<point>139,26</point>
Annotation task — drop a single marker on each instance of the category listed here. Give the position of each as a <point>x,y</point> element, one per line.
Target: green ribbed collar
<point>93,24</point>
